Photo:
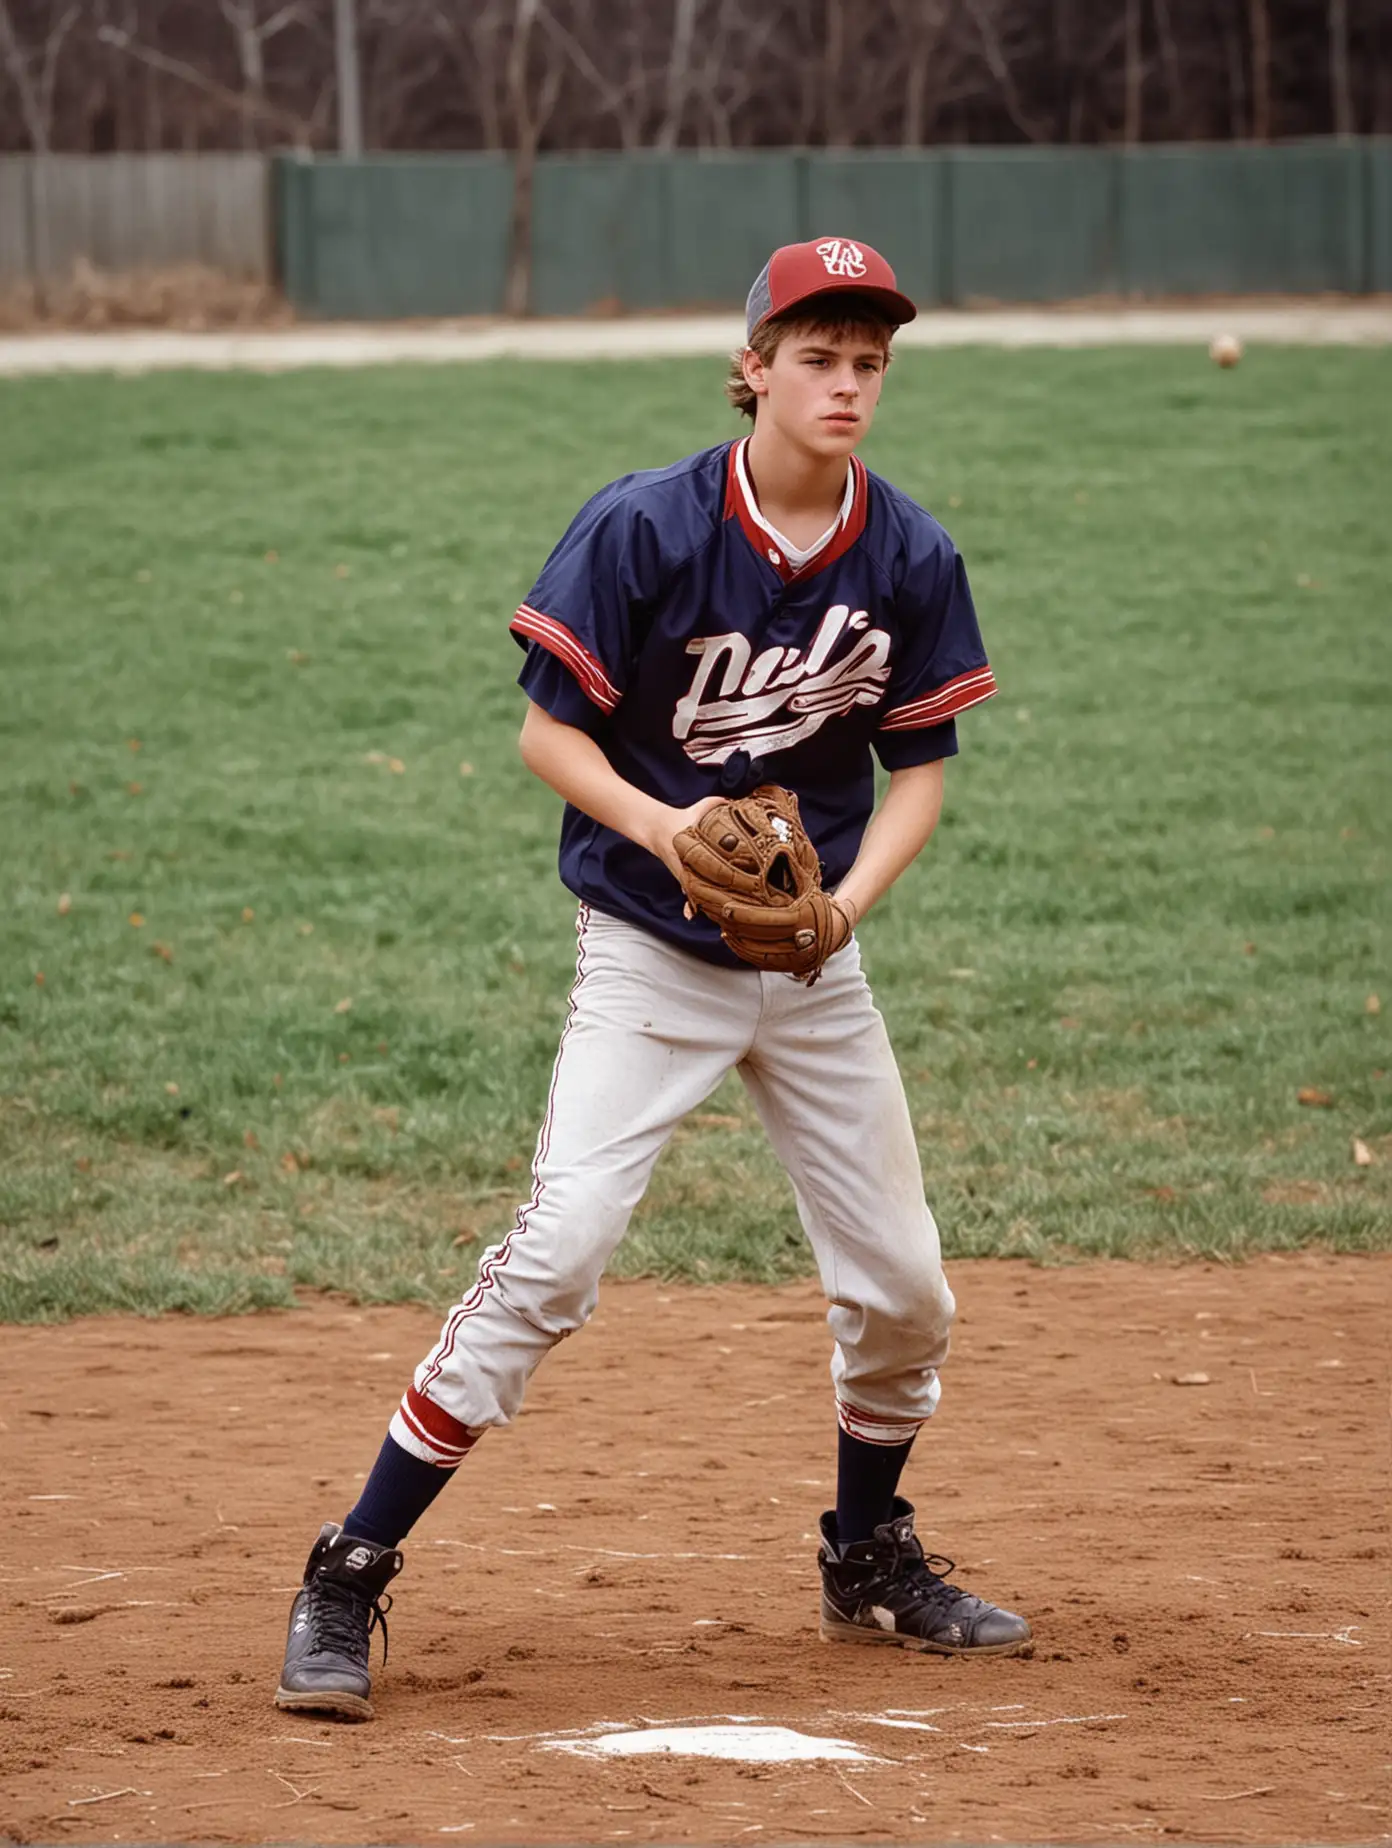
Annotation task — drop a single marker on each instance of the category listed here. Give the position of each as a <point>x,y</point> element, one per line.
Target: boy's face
<point>820,389</point>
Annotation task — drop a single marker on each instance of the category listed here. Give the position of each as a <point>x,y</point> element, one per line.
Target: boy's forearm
<point>898,832</point>
<point>578,770</point>
<point>574,766</point>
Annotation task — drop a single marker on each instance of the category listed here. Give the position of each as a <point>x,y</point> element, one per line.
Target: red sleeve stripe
<point>559,641</point>
<point>945,703</point>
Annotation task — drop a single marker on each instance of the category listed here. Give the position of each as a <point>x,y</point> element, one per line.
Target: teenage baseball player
<point>767,611</point>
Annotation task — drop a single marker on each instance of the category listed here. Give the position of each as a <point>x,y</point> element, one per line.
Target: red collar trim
<point>737,508</point>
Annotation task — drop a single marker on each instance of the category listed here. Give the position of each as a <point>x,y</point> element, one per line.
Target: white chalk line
<point>599,1726</point>
<point>571,1546</point>
<point>875,1719</point>
<point>1343,1635</point>
<point>1067,1719</point>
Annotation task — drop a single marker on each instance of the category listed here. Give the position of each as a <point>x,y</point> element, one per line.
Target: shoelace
<point>927,1573</point>
<point>334,1613</point>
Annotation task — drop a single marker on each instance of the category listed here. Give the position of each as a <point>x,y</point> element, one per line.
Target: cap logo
<point>841,257</point>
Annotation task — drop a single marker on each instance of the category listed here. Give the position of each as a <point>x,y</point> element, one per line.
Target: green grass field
<point>293,1022</point>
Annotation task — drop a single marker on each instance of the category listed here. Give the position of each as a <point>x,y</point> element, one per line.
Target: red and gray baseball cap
<point>797,272</point>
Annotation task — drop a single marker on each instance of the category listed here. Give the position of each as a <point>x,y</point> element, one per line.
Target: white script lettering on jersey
<point>842,258</point>
<point>774,700</point>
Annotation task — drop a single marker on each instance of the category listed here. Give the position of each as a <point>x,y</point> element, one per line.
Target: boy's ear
<point>755,372</point>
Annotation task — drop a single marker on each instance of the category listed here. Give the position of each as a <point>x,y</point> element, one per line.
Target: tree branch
<point>198,80</point>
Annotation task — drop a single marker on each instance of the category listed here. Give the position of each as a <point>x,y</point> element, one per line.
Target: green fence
<point>1202,221</point>
<point>395,235</point>
<point>403,235</point>
<point>652,230</point>
<point>1378,216</point>
<point>1025,229</point>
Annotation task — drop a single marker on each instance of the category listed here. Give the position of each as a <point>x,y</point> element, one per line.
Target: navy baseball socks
<point>877,1584</point>
<point>867,1479</point>
<point>887,1590</point>
<point>395,1496</point>
<point>344,1595</point>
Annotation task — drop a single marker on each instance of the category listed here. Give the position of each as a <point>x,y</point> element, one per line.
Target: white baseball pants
<point>651,1032</point>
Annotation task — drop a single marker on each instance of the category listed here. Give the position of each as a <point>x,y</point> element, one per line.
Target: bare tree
<point>475,38</point>
<point>616,99</point>
<point>1379,113</point>
<point>1340,89</point>
<point>34,70</point>
<point>678,82</point>
<point>927,64</point>
<point>1135,74</point>
<point>401,74</point>
<point>250,33</point>
<point>731,76</point>
<point>1260,25</point>
<point>108,74</point>
<point>833,75</point>
<point>1169,59</point>
<point>533,85</point>
<point>245,104</point>
<point>986,16</point>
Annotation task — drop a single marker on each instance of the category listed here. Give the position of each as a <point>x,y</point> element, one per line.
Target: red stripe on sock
<point>436,1423</point>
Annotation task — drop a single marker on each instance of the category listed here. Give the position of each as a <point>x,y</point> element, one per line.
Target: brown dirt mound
<point>1203,1562</point>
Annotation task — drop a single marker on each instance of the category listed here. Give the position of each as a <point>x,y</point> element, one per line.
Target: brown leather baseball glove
<point>749,867</point>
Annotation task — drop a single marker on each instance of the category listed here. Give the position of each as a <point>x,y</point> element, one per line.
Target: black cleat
<point>885,1590</point>
<point>331,1622</point>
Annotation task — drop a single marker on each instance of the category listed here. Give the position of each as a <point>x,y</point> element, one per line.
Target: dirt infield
<point>1180,1474</point>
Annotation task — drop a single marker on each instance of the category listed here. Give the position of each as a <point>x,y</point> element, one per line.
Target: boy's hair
<point>839,318</point>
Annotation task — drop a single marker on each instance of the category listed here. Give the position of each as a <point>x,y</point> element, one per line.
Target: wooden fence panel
<point>134,211</point>
<point>15,264</point>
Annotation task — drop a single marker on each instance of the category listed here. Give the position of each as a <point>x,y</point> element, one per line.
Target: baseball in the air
<point>1225,349</point>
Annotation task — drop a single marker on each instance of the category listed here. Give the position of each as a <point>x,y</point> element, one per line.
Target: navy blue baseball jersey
<point>670,625</point>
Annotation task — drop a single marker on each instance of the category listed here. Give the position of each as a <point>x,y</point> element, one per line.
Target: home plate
<point>762,1745</point>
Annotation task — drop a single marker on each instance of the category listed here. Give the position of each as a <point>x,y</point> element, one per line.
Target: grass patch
<point>258,695</point>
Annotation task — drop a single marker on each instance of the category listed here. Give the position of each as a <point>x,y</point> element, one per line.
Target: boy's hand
<point>667,824</point>
<point>750,866</point>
